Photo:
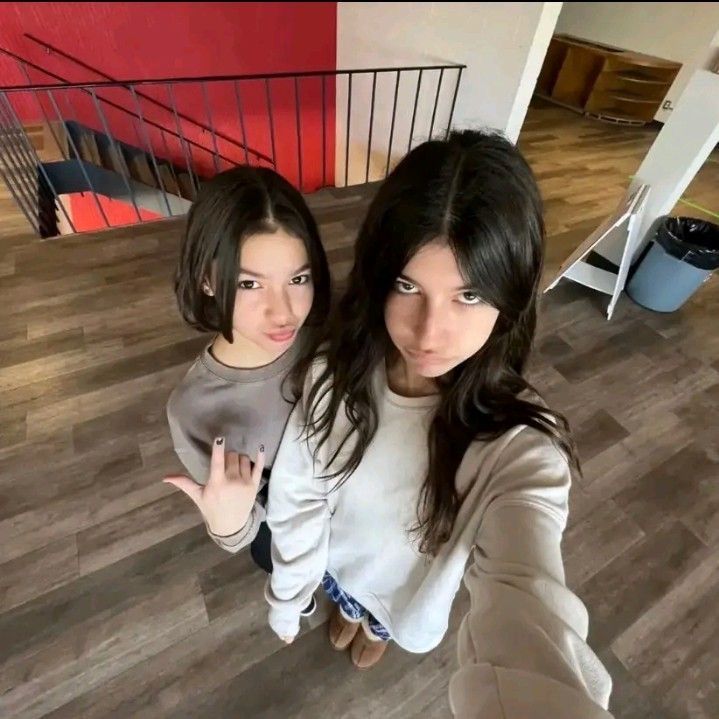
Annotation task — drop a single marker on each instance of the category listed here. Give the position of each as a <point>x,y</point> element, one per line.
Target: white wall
<point>534,60</point>
<point>502,43</point>
<point>689,135</point>
<point>670,30</point>
<point>681,148</point>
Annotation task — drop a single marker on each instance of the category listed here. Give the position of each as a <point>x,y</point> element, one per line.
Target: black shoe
<point>309,610</point>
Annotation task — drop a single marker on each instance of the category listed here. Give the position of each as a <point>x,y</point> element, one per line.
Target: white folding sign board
<point>623,223</point>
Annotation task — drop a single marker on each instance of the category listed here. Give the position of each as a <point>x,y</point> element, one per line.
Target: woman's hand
<point>226,500</point>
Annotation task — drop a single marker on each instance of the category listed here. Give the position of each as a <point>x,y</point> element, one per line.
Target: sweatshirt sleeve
<point>195,462</point>
<point>522,646</point>
<point>298,516</point>
<point>233,543</point>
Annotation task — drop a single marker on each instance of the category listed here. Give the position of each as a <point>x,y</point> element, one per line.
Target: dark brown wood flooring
<point>113,602</point>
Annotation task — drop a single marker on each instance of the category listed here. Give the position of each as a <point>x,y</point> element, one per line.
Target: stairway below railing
<point>318,128</point>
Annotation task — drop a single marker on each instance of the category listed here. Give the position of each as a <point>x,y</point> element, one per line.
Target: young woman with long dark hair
<point>419,445</point>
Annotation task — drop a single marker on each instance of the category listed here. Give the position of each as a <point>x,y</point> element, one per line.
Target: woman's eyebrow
<point>244,271</point>
<point>465,288</point>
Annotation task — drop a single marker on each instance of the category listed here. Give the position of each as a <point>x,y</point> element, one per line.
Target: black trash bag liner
<point>693,241</point>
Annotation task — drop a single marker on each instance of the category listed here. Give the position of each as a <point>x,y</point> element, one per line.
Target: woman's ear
<point>207,289</point>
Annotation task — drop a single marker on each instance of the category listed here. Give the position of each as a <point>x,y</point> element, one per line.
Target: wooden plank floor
<point>113,603</point>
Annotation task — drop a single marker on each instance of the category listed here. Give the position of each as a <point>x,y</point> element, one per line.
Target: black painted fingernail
<point>219,441</point>
<point>262,448</point>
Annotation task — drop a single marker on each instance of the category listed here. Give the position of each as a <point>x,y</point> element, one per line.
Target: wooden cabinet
<point>605,82</point>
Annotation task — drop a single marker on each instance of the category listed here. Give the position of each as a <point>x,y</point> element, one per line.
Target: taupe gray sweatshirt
<point>248,407</point>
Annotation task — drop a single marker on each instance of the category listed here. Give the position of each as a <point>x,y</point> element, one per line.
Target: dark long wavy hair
<point>230,207</point>
<point>475,191</point>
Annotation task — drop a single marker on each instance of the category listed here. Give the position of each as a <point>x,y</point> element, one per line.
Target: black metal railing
<point>26,65</point>
<point>26,177</point>
<point>149,143</point>
<point>54,50</point>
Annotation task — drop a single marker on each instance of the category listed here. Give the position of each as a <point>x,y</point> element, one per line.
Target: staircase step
<point>140,170</point>
<point>89,150</point>
<point>187,189</point>
<point>168,179</point>
<point>55,145</point>
<point>36,135</point>
<point>113,159</point>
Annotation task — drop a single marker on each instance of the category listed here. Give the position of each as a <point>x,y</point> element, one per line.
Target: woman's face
<point>434,320</point>
<point>274,291</point>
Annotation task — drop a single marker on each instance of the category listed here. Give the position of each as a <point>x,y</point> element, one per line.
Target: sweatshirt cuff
<point>242,537</point>
<point>285,622</point>
<point>284,616</point>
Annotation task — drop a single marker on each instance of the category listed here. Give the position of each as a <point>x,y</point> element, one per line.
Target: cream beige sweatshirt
<point>248,407</point>
<point>523,650</point>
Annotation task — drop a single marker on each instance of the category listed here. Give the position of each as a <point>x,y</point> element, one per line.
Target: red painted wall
<point>150,39</point>
<point>158,40</point>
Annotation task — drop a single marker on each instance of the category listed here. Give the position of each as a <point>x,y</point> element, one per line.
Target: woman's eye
<point>470,298</point>
<point>300,279</point>
<point>248,284</point>
<point>404,287</point>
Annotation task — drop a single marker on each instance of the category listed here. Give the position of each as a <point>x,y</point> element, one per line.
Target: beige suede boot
<point>341,630</point>
<point>367,649</point>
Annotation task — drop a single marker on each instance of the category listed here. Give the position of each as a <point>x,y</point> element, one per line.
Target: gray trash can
<point>683,255</point>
